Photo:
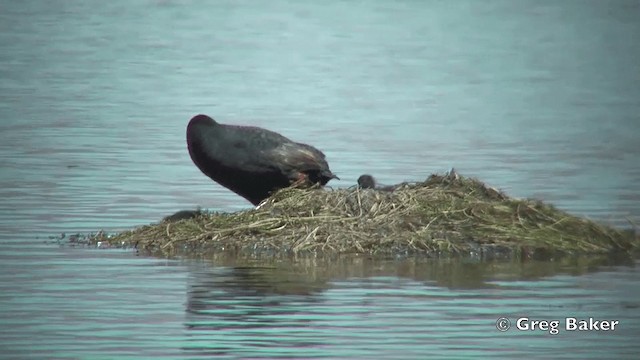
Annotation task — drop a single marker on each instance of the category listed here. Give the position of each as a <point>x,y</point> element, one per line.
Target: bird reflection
<point>250,301</point>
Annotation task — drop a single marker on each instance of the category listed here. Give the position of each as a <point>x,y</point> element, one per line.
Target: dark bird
<point>182,215</point>
<point>367,181</point>
<point>251,161</point>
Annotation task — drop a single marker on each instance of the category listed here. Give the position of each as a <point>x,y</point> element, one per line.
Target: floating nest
<point>444,215</point>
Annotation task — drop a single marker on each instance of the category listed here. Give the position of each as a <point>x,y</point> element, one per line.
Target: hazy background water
<point>538,98</point>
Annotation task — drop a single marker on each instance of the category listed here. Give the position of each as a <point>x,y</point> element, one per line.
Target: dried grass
<point>446,214</point>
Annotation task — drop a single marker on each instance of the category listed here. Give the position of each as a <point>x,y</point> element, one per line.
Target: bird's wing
<point>249,147</point>
<point>291,156</point>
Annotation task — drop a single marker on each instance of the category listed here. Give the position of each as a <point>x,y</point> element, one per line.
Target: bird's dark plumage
<point>182,215</point>
<point>251,161</point>
<point>367,181</point>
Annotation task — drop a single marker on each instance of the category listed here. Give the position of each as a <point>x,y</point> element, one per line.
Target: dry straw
<point>446,214</point>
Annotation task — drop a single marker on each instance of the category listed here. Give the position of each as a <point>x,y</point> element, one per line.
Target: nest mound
<point>446,214</point>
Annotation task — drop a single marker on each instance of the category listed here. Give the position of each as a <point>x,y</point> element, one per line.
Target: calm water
<point>538,98</point>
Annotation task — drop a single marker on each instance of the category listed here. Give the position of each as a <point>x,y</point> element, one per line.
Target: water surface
<point>538,98</point>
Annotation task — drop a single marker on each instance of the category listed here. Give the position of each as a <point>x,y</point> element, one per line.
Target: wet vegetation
<point>442,216</point>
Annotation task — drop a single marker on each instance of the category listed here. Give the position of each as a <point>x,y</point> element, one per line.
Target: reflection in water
<point>88,303</point>
<point>247,301</point>
<point>392,308</point>
<point>307,276</point>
